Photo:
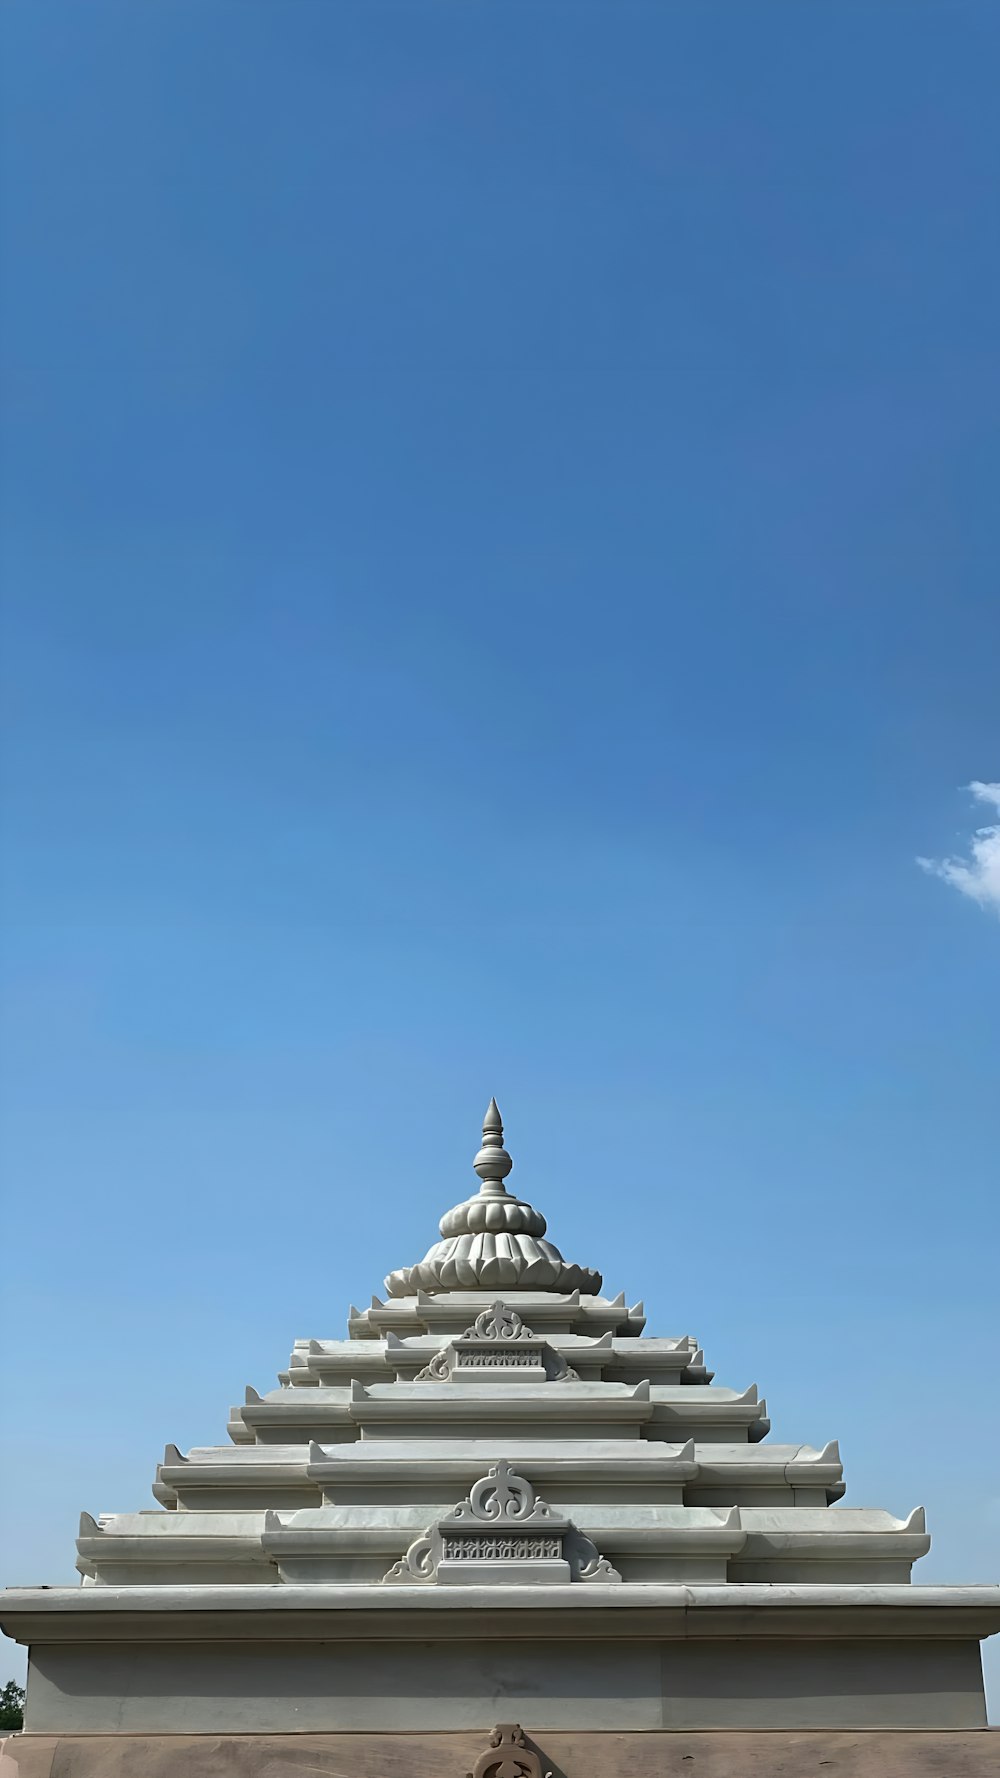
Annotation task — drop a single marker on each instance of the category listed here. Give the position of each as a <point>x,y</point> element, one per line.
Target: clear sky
<point>500,523</point>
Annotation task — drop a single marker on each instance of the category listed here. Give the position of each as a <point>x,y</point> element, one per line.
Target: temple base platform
<point>790,1753</point>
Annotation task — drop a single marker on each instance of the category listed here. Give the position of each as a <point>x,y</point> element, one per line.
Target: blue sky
<point>500,538</point>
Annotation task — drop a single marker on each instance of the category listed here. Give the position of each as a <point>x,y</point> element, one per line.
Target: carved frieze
<point>488,1357</point>
<point>500,1549</point>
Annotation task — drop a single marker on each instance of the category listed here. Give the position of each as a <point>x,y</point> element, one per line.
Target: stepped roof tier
<point>499,1452</point>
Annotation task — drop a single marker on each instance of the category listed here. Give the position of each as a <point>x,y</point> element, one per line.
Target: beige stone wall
<point>702,1754</point>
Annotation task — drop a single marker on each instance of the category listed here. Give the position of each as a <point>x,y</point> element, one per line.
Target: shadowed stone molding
<point>508,1756</point>
<point>501,1532</point>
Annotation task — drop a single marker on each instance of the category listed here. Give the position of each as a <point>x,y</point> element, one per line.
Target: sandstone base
<point>789,1753</point>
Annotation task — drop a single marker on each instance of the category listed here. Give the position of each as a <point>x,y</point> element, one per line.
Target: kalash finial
<point>493,1163</point>
<point>492,1240</point>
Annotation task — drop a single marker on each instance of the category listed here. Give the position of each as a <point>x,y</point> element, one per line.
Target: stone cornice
<point>551,1462</point>
<point>525,1404</point>
<point>605,1612</point>
<point>548,1312</point>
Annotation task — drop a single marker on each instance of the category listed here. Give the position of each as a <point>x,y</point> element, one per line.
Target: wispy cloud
<point>978,875</point>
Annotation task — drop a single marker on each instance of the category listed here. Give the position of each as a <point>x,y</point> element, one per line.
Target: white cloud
<point>978,875</point>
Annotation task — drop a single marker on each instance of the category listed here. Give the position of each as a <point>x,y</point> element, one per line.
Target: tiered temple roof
<point>499,1487</point>
<point>494,1350</point>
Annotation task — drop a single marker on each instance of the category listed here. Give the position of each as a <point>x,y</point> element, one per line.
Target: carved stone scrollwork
<point>585,1559</point>
<point>419,1563</point>
<point>497,1323</point>
<point>439,1369</point>
<point>508,1756</point>
<point>501,1522</point>
<point>500,1494</point>
<point>497,1340</point>
<point>560,1371</point>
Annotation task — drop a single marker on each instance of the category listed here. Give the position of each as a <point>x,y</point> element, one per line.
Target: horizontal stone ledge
<point>640,1611</point>
<point>655,1753</point>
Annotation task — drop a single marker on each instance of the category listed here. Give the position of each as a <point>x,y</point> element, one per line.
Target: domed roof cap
<point>493,1239</point>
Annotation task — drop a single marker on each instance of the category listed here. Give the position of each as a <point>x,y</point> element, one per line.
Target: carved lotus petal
<point>499,1271</point>
<point>492,1240</point>
<point>492,1213</point>
<point>485,1262</point>
<point>538,1272</point>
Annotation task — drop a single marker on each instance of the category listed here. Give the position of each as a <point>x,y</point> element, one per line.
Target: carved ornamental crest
<point>497,1340</point>
<point>503,1525</point>
<point>508,1756</point>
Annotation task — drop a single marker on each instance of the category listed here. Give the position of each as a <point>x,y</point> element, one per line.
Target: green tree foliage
<point>12,1706</point>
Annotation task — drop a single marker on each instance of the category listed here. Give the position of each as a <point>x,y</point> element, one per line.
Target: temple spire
<point>493,1240</point>
<point>493,1163</point>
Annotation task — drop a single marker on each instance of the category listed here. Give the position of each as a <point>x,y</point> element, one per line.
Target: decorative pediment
<point>502,1533</point>
<point>498,1340</point>
<point>498,1322</point>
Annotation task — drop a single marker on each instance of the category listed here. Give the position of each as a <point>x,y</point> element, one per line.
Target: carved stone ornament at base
<point>508,1756</point>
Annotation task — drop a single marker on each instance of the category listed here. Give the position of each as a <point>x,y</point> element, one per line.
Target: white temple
<point>499,1497</point>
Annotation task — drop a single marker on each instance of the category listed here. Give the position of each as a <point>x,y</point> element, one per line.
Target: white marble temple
<point>498,1434</point>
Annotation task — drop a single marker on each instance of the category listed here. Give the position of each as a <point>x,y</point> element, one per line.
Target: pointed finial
<point>493,1163</point>
<point>492,1241</point>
